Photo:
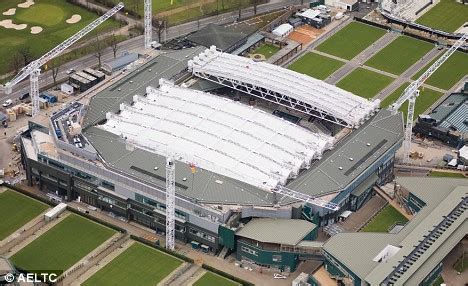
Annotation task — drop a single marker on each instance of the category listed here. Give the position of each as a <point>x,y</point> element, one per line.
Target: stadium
<point>238,167</point>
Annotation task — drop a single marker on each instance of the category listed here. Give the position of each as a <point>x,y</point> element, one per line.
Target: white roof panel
<point>350,108</point>
<point>218,134</point>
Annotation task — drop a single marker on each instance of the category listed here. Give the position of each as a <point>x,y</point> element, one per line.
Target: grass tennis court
<point>364,83</point>
<point>385,219</point>
<point>391,58</point>
<point>16,210</point>
<point>209,279</point>
<point>448,15</point>
<point>452,71</point>
<point>316,65</point>
<point>267,50</point>
<point>351,40</point>
<point>63,245</point>
<point>426,98</point>
<point>138,265</point>
<point>446,174</point>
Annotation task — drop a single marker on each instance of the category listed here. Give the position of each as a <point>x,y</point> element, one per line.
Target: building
<point>277,243</point>
<point>119,63</point>
<point>225,38</point>
<point>447,122</point>
<point>348,5</point>
<point>414,255</point>
<point>122,172</point>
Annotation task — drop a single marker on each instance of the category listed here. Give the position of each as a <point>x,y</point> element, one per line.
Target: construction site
<point>256,151</point>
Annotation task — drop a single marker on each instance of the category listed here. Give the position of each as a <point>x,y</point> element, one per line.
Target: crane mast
<point>148,24</point>
<point>33,68</point>
<point>170,202</point>
<point>411,93</point>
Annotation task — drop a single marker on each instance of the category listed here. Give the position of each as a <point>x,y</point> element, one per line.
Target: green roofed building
<point>277,243</point>
<point>414,255</point>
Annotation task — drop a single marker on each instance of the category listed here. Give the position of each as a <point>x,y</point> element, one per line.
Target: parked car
<point>70,71</point>
<point>7,103</point>
<point>24,96</point>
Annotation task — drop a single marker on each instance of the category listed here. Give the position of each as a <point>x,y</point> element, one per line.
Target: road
<point>137,44</point>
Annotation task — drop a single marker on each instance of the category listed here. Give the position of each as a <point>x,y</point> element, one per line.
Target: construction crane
<point>170,202</point>
<point>411,93</point>
<point>148,24</point>
<point>33,69</point>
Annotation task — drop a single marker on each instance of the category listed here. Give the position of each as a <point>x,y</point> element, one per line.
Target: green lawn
<point>51,16</point>
<point>351,40</point>
<point>364,83</point>
<point>211,279</point>
<point>385,219</point>
<point>63,245</point>
<point>267,50</point>
<point>316,65</point>
<point>448,15</point>
<point>138,265</point>
<point>16,210</point>
<point>453,70</point>
<point>438,281</point>
<point>391,58</point>
<point>446,174</point>
<point>426,98</point>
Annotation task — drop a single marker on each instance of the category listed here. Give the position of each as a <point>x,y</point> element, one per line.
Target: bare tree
<point>159,25</point>
<point>26,55</point>
<point>114,43</point>
<point>240,10</point>
<point>16,62</point>
<point>98,49</point>
<point>54,66</point>
<point>255,3</point>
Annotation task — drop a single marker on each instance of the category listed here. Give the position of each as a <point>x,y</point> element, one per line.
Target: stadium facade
<point>120,167</point>
<point>414,255</point>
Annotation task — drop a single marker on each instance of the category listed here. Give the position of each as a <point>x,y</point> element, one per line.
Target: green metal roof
<point>280,231</point>
<point>221,37</point>
<point>357,250</point>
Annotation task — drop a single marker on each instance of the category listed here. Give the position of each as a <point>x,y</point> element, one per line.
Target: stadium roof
<point>222,37</point>
<point>452,112</point>
<point>281,231</point>
<point>357,251</point>
<point>323,97</point>
<point>135,82</point>
<point>218,134</point>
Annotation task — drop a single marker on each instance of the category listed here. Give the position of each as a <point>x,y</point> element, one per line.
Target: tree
<point>240,10</point>
<point>255,3</point>
<point>113,42</point>
<point>16,62</point>
<point>54,66</point>
<point>98,49</point>
<point>26,55</point>
<point>159,26</point>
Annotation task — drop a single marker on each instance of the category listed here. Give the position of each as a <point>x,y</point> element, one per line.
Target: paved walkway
<point>358,219</point>
<point>450,275</point>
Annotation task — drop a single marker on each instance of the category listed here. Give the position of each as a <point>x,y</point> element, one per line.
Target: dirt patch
<point>26,4</point>
<point>10,25</point>
<point>10,12</point>
<point>304,34</point>
<point>36,30</point>
<point>74,19</point>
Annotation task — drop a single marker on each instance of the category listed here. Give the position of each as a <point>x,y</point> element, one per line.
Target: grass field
<point>364,83</point>
<point>316,65</point>
<point>51,16</point>
<point>63,245</point>
<point>438,281</point>
<point>391,58</point>
<point>426,98</point>
<point>446,174</point>
<point>138,265</point>
<point>461,267</point>
<point>453,70</point>
<point>385,219</point>
<point>267,50</point>
<point>211,279</point>
<point>351,40</point>
<point>448,15</point>
<point>16,210</point>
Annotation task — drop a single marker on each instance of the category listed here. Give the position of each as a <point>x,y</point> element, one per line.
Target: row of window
<point>203,235</point>
<point>249,250</point>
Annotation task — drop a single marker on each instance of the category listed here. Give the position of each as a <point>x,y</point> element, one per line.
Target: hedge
<point>170,252</point>
<point>227,275</point>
